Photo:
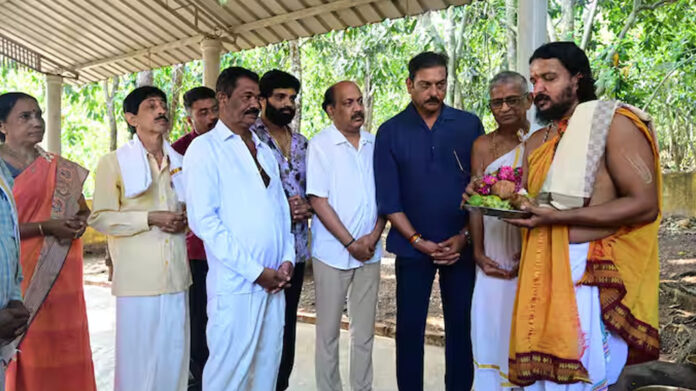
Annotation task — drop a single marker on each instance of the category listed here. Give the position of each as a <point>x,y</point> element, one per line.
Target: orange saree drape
<point>55,354</point>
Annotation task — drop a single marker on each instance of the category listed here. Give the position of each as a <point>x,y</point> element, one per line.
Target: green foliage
<point>656,66</point>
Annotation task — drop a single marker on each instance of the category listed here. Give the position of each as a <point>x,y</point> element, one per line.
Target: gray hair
<point>509,77</point>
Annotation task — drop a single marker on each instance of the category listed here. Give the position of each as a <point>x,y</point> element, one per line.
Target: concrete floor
<point>101,313</point>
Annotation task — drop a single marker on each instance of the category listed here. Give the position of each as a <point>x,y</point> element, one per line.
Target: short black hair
<point>277,79</point>
<point>7,103</point>
<point>196,94</point>
<point>574,60</point>
<point>329,98</point>
<point>227,80</point>
<point>426,60</point>
<point>132,102</point>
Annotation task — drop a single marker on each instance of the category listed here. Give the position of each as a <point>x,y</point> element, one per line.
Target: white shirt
<point>244,225</point>
<point>344,175</point>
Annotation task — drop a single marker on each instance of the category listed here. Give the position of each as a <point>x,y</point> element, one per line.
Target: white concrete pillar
<point>211,61</point>
<point>54,92</point>
<point>531,31</point>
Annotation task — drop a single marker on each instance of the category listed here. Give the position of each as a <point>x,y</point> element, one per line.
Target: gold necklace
<point>285,146</point>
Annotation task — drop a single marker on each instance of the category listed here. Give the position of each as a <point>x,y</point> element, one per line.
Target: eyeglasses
<point>510,100</point>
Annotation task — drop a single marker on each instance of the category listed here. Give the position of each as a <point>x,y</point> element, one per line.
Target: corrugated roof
<point>94,39</point>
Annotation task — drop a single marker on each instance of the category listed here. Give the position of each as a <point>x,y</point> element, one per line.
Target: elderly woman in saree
<point>55,353</point>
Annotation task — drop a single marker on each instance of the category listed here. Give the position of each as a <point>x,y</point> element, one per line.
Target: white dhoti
<point>605,354</point>
<point>494,298</point>
<point>152,343</point>
<point>245,340</point>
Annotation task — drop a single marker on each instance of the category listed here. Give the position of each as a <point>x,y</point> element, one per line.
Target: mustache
<point>164,117</point>
<point>252,110</point>
<point>432,99</point>
<point>539,97</point>
<point>358,115</point>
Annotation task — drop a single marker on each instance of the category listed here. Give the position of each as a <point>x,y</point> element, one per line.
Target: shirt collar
<point>223,133</point>
<point>447,113</point>
<point>338,138</point>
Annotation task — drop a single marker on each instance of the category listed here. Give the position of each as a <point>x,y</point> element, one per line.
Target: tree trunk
<point>368,97</point>
<point>587,34</point>
<point>177,76</point>
<point>568,19</point>
<point>109,99</point>
<point>296,70</point>
<point>510,33</point>
<point>550,29</point>
<point>145,78</point>
<point>451,42</point>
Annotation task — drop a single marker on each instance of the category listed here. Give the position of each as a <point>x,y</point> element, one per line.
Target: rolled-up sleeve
<point>386,175</point>
<point>106,216</point>
<point>202,205</point>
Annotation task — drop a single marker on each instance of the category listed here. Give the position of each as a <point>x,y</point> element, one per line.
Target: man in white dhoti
<point>588,279</point>
<point>497,243</point>
<point>236,204</point>
<point>346,237</point>
<point>138,205</point>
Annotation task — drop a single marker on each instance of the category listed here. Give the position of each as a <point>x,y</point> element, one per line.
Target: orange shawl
<point>546,340</point>
<point>55,353</point>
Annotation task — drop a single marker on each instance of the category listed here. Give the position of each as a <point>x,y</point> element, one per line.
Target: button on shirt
<point>10,270</point>
<point>417,172</point>
<point>245,225</point>
<point>344,175</point>
<point>147,261</point>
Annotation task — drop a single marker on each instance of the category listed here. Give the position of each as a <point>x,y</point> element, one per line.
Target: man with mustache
<point>278,93</point>
<point>138,205</point>
<point>589,274</point>
<point>201,116</point>
<point>422,165</point>
<point>236,204</point>
<point>345,238</point>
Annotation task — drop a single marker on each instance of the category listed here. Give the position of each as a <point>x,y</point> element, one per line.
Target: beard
<point>280,117</point>
<point>557,109</point>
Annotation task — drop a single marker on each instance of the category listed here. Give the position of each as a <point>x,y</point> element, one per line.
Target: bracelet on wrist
<point>41,231</point>
<point>415,238</point>
<point>349,243</point>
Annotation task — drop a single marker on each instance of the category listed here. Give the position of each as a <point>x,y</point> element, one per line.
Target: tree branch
<point>588,24</point>
<point>664,79</point>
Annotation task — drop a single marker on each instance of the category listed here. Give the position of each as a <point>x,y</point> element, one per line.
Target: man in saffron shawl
<point>55,353</point>
<point>588,278</point>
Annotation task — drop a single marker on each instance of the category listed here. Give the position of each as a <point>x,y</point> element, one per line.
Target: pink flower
<point>506,173</point>
<point>490,180</point>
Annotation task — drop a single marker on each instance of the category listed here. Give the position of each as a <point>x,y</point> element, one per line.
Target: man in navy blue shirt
<point>422,159</point>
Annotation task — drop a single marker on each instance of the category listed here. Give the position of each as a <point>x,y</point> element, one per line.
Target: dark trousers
<point>199,319</point>
<point>414,281</point>
<point>292,299</point>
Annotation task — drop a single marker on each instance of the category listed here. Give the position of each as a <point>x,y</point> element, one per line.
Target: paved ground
<point>101,313</point>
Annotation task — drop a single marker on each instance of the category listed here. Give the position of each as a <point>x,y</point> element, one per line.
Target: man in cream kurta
<point>236,205</point>
<point>137,206</point>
